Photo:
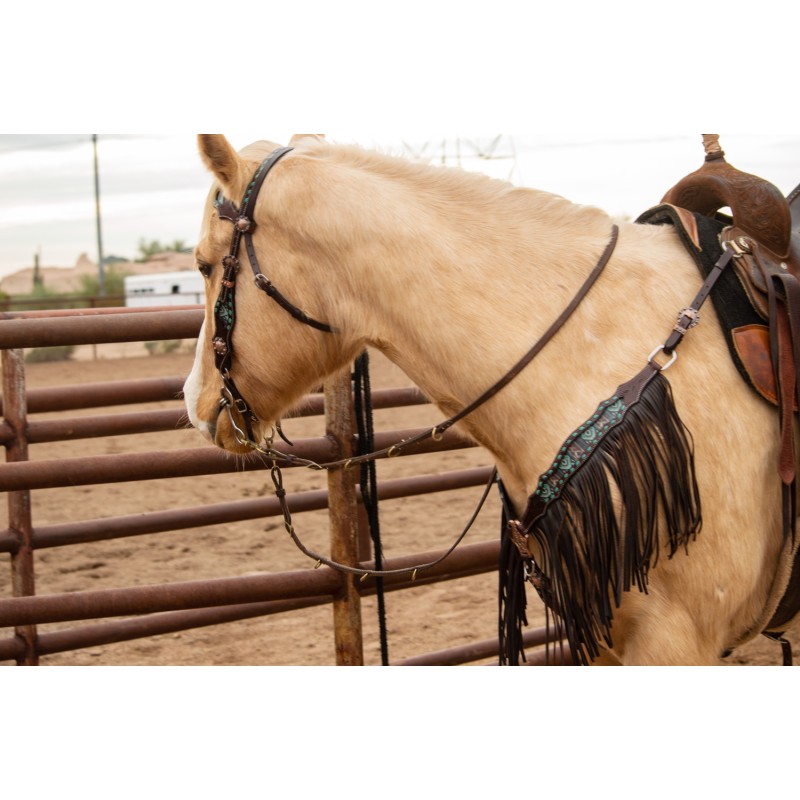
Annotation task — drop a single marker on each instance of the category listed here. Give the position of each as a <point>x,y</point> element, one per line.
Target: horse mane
<point>454,193</point>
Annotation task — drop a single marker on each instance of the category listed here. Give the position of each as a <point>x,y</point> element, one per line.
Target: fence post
<point>19,502</point>
<point>343,514</point>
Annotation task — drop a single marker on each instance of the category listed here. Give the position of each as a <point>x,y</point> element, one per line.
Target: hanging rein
<point>233,402</point>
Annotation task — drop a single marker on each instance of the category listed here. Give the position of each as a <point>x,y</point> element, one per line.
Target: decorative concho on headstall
<point>225,306</point>
<point>633,454</point>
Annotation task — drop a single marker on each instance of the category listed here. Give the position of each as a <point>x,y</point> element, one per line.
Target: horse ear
<point>223,161</point>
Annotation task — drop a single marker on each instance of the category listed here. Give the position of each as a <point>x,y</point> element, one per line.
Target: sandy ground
<point>424,619</point>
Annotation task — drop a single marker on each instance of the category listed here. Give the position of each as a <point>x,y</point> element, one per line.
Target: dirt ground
<point>421,620</point>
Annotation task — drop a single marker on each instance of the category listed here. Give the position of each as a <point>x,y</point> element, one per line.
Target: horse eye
<point>205,269</point>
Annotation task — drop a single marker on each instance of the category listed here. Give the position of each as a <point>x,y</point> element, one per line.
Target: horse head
<point>254,359</point>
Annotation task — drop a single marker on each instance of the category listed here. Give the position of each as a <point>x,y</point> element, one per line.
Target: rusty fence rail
<point>179,606</point>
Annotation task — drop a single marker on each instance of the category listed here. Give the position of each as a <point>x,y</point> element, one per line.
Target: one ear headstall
<point>226,209</point>
<point>225,306</point>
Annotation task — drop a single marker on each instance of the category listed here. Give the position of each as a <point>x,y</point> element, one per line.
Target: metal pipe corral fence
<point>174,607</point>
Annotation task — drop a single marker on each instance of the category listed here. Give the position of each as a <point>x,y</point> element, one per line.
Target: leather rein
<point>232,400</point>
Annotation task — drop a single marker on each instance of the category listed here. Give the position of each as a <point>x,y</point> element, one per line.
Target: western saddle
<point>763,230</point>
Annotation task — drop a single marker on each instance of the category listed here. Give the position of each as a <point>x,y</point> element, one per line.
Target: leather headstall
<point>244,224</point>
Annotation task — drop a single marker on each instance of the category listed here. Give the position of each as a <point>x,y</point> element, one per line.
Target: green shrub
<point>42,355</point>
<point>113,283</point>
<point>162,348</point>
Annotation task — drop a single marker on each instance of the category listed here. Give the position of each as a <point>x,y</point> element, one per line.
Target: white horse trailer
<point>164,289</point>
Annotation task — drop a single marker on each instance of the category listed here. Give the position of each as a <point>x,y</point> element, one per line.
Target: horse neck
<point>454,291</point>
<point>458,339</point>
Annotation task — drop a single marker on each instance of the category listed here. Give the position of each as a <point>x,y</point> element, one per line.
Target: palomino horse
<point>453,276</point>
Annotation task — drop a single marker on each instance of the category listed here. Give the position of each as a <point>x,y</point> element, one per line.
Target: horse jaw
<point>202,398</point>
<point>203,388</point>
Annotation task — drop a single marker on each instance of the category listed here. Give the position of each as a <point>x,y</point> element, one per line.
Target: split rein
<point>224,316</point>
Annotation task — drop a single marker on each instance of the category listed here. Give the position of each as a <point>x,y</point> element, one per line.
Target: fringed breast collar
<point>633,454</point>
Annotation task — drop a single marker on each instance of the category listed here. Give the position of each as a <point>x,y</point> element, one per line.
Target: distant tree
<point>152,248</point>
<point>40,296</point>
<point>38,292</point>
<point>42,355</point>
<point>113,280</point>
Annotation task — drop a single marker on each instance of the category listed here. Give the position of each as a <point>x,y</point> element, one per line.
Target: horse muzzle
<point>219,426</point>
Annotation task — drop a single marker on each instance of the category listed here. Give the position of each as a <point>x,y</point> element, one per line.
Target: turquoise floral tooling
<point>224,310</point>
<point>577,449</point>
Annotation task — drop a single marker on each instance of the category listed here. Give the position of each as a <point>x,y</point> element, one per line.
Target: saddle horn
<point>758,207</point>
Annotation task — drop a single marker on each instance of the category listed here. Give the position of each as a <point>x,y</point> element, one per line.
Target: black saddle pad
<point>733,308</point>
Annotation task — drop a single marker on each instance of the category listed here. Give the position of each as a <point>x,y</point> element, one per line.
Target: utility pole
<point>101,280</point>
<point>37,274</point>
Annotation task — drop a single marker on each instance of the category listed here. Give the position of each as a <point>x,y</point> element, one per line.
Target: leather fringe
<point>599,536</point>
<point>513,601</point>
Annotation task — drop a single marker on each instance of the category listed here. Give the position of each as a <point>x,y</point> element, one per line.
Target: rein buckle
<point>264,283</point>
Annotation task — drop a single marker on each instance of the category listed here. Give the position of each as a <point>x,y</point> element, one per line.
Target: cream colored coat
<point>453,276</point>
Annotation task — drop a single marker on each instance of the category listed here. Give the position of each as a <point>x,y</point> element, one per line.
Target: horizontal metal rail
<point>157,464</point>
<point>100,328</point>
<point>150,390</point>
<point>103,311</point>
<point>164,608</point>
<point>38,609</point>
<point>468,560</point>
<point>42,431</point>
<point>471,560</point>
<point>106,393</point>
<point>151,625</point>
<point>176,621</point>
<point>477,651</point>
<point>60,430</point>
<point>107,528</point>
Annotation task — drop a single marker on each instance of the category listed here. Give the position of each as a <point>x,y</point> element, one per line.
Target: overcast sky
<point>153,186</point>
<point>471,68</point>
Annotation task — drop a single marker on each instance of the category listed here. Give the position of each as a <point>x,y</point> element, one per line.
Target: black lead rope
<point>362,392</point>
